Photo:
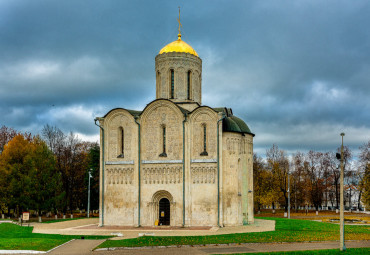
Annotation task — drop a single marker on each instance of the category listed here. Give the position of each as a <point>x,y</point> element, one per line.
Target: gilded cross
<point>179,23</point>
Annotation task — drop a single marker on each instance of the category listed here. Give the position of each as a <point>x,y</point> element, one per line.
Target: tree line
<point>46,172</point>
<point>314,179</point>
<point>49,173</point>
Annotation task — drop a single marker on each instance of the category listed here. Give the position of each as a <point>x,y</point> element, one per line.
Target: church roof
<point>178,46</point>
<point>232,123</point>
<point>134,113</point>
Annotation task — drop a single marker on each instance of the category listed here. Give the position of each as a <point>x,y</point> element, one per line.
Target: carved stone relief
<point>119,175</point>
<point>162,175</point>
<point>203,175</point>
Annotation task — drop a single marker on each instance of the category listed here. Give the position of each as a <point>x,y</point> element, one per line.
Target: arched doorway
<point>163,208</point>
<point>164,212</point>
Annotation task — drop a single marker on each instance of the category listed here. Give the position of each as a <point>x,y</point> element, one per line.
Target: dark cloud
<point>298,73</point>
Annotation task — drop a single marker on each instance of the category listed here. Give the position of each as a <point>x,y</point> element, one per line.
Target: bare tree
<point>6,134</point>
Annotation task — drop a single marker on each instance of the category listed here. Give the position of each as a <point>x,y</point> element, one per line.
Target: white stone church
<point>176,162</point>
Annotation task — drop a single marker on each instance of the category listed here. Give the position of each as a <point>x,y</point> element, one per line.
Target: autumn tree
<point>6,134</point>
<point>47,181</point>
<point>16,170</point>
<point>264,189</point>
<point>364,159</point>
<point>27,177</point>
<point>299,181</point>
<point>278,164</point>
<point>316,166</point>
<point>72,163</point>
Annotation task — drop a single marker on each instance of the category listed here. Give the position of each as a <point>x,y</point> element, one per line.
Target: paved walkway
<point>84,247</point>
<point>90,227</point>
<point>80,247</point>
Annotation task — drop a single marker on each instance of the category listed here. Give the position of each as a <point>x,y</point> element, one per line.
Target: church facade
<point>176,162</point>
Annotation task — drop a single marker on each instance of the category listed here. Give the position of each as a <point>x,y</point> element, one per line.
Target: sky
<point>298,72</point>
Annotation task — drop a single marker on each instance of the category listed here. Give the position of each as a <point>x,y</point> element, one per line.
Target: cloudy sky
<point>298,72</point>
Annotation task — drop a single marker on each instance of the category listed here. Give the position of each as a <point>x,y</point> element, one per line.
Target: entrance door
<point>164,212</point>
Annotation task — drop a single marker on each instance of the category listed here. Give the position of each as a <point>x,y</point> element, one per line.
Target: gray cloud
<point>298,73</point>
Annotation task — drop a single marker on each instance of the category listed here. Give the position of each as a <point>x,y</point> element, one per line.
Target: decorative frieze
<point>119,175</point>
<point>203,175</point>
<point>162,175</point>
<point>211,160</point>
<point>239,145</point>
<point>175,161</point>
<point>131,162</point>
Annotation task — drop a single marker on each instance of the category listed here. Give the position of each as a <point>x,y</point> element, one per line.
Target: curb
<point>205,245</point>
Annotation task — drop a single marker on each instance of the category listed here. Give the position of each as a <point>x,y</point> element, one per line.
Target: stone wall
<point>163,176</point>
<point>237,179</point>
<point>120,193</point>
<point>181,63</point>
<point>158,181</point>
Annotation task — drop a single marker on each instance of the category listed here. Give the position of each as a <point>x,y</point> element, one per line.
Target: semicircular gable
<point>153,106</point>
<point>203,111</point>
<point>120,130</point>
<point>113,114</point>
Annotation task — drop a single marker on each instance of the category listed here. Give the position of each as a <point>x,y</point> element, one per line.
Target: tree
<point>94,165</point>
<point>299,183</point>
<point>72,163</point>
<point>6,134</point>
<point>28,178</point>
<point>264,190</point>
<point>17,166</point>
<point>278,164</point>
<point>46,180</point>
<point>365,167</point>
<point>316,166</point>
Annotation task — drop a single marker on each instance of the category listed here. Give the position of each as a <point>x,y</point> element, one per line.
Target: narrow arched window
<point>163,154</point>
<point>172,90</point>
<point>121,142</point>
<point>204,153</point>
<point>189,84</point>
<point>159,85</point>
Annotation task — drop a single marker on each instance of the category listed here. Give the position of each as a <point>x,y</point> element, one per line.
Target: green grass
<point>14,237</point>
<point>286,230</point>
<point>352,251</point>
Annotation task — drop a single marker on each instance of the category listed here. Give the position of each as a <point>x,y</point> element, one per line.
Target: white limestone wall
<point>237,179</point>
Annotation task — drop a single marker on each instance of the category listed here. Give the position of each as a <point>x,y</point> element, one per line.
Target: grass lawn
<point>287,230</point>
<point>351,251</point>
<point>14,237</point>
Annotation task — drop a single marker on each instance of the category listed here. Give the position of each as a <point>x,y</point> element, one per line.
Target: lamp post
<point>288,195</point>
<point>88,195</point>
<point>342,246</point>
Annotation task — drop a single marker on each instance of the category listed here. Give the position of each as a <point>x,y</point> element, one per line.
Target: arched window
<point>163,154</point>
<point>121,142</point>
<point>172,89</point>
<point>189,84</point>
<point>159,85</point>
<point>204,153</point>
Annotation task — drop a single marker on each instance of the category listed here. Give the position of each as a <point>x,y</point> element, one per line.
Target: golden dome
<point>178,46</point>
